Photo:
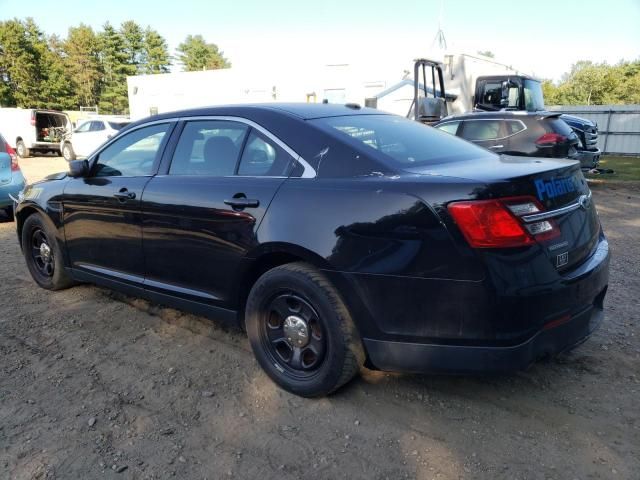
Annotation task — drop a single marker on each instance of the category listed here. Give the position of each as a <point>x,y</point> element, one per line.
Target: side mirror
<point>78,168</point>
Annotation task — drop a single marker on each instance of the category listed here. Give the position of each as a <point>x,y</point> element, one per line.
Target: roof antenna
<point>439,38</point>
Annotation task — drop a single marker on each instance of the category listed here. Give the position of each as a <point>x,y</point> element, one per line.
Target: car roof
<point>304,111</point>
<point>501,114</point>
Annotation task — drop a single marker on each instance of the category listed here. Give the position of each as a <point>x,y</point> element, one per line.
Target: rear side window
<point>513,126</point>
<point>96,126</point>
<point>449,127</point>
<point>402,142</point>
<point>262,157</point>
<point>209,148</point>
<point>479,130</point>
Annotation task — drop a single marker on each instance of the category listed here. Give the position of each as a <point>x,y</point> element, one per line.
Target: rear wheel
<point>67,152</point>
<point>43,254</point>
<point>22,150</point>
<point>301,331</point>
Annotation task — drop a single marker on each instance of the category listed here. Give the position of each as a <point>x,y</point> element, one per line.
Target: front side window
<point>262,157</point>
<point>133,154</point>
<point>449,127</point>
<point>208,147</point>
<point>481,130</point>
<point>396,140</point>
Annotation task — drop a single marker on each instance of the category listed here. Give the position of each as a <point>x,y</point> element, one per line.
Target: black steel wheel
<point>301,331</point>
<point>43,255</point>
<point>293,334</point>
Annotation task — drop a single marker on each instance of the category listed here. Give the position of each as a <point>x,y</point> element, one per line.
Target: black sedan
<point>336,235</point>
<point>532,134</point>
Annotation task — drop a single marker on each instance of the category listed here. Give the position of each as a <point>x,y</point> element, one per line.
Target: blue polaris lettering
<point>555,188</point>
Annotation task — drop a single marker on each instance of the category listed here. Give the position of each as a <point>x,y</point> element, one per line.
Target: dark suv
<point>533,134</point>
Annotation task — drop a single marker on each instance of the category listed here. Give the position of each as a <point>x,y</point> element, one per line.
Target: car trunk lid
<point>558,190</point>
<point>5,168</point>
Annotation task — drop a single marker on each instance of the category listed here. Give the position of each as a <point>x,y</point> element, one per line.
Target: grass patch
<point>625,168</point>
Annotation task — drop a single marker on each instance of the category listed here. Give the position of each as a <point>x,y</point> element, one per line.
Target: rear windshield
<point>118,125</point>
<point>405,143</point>
<point>560,126</point>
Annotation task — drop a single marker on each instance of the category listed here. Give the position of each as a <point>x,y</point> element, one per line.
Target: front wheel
<point>301,332</point>
<point>67,152</point>
<point>43,254</point>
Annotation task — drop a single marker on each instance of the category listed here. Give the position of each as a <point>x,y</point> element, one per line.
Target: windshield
<point>533,99</point>
<point>118,125</point>
<point>404,143</point>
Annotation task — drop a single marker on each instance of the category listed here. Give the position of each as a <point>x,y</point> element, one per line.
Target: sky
<point>540,37</point>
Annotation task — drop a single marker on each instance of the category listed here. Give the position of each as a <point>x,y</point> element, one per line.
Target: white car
<point>89,135</point>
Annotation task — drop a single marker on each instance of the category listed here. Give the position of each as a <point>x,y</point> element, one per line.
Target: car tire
<point>292,304</point>
<point>44,263</point>
<point>22,150</point>
<point>67,152</point>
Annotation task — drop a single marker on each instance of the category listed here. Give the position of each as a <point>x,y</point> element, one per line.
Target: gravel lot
<point>96,385</point>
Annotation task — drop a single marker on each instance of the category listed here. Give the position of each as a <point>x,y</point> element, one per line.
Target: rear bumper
<point>452,359</point>
<point>13,188</point>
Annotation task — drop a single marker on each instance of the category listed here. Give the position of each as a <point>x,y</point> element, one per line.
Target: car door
<point>202,214</point>
<point>81,138</point>
<point>486,132</point>
<point>102,214</point>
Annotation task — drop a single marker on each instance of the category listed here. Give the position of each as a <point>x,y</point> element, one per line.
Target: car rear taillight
<point>14,159</point>
<point>551,139</point>
<point>499,224</point>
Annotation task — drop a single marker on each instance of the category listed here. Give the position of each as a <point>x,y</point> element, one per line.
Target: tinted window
<point>478,130</point>
<point>3,144</point>
<point>118,125</point>
<point>513,126</point>
<point>403,141</point>
<point>491,94</point>
<point>262,157</point>
<point>97,126</point>
<point>559,126</point>
<point>208,147</point>
<point>133,154</point>
<point>449,127</point>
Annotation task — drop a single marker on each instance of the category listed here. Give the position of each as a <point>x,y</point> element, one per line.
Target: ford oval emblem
<point>584,201</point>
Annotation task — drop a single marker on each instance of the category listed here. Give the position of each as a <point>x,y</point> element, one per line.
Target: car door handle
<point>243,202</point>
<point>496,146</point>
<point>123,195</point>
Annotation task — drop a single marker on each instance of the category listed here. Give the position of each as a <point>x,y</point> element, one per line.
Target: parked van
<point>31,130</point>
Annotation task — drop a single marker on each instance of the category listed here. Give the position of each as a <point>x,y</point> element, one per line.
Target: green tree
<point>115,66</point>
<point>196,54</point>
<point>486,53</point>
<point>56,91</point>
<point>156,57</point>
<point>133,36</point>
<point>20,62</point>
<point>82,49</point>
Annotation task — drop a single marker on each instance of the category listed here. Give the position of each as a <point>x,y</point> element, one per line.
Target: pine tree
<point>156,54</point>
<point>115,65</point>
<point>196,54</point>
<point>82,62</point>
<point>133,36</point>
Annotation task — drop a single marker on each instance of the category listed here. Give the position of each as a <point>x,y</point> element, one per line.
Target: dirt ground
<point>95,385</point>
